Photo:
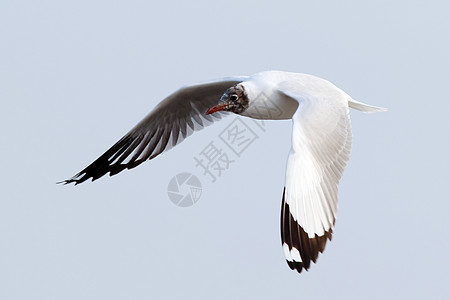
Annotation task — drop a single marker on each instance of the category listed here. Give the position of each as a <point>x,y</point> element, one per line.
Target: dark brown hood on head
<point>235,99</point>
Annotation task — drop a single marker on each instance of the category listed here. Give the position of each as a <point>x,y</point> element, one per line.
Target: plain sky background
<point>77,75</point>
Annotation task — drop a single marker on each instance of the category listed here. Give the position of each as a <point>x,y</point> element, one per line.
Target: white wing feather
<point>321,144</point>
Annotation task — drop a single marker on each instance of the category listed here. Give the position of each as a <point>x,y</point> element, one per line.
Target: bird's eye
<point>233,97</point>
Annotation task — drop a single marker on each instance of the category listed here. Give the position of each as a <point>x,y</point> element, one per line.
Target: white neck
<point>265,101</point>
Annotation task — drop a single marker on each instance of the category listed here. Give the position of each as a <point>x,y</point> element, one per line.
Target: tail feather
<point>364,107</point>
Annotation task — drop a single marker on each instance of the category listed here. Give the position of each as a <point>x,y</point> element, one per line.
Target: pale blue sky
<point>76,75</point>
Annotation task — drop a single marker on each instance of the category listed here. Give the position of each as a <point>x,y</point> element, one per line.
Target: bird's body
<point>321,144</point>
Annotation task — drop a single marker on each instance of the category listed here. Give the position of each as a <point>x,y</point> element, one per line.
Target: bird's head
<point>234,99</point>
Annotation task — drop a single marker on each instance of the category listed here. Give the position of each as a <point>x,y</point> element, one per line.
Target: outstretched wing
<point>172,120</point>
<point>321,144</point>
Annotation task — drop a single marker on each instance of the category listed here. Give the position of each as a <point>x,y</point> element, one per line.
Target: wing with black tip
<point>172,120</point>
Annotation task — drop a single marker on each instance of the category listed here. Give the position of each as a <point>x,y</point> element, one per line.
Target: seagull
<point>320,150</point>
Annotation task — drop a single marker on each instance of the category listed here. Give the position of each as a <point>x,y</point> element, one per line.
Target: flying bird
<point>321,144</point>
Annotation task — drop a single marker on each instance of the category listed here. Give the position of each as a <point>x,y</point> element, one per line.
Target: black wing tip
<point>297,266</point>
<point>112,170</point>
<point>295,237</point>
<point>111,161</point>
<point>313,255</point>
<point>69,181</point>
<point>76,179</point>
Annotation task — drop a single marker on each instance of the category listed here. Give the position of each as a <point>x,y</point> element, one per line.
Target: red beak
<point>215,108</point>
